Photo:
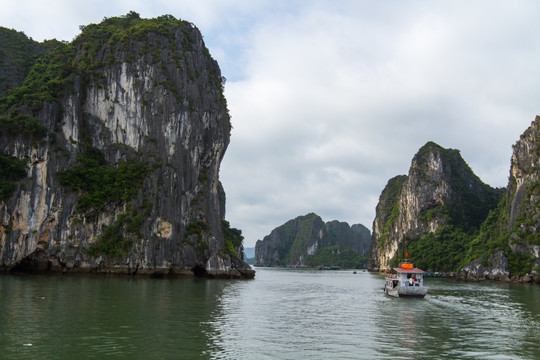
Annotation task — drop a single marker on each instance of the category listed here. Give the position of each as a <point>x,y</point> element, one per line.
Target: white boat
<point>406,281</point>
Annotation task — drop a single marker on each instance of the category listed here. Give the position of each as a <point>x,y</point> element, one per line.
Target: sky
<point>331,99</point>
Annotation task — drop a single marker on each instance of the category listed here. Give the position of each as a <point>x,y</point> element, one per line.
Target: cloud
<point>333,103</point>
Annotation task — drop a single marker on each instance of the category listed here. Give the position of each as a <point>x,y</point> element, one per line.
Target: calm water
<point>282,314</point>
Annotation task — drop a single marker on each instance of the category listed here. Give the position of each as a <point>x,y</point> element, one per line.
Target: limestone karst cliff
<point>508,245</point>
<point>110,152</point>
<point>294,242</point>
<point>431,213</point>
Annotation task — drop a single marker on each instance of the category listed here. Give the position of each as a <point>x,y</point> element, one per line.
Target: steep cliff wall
<point>295,241</point>
<point>508,246</point>
<point>431,212</point>
<point>385,230</point>
<point>122,133</point>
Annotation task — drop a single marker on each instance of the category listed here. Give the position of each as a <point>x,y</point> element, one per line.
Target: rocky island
<point>110,149</point>
<point>428,213</point>
<point>308,240</point>
<point>447,220</point>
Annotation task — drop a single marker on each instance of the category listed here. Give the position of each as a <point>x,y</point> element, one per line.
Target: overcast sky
<point>330,99</point>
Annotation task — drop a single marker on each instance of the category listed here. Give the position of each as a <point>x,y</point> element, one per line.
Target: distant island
<point>308,241</point>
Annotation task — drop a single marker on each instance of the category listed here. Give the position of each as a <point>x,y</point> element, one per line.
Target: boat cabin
<point>405,281</point>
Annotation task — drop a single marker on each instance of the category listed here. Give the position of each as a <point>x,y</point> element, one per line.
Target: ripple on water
<point>281,314</point>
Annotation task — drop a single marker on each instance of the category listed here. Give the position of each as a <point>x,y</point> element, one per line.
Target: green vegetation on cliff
<point>119,33</point>
<point>45,82</point>
<point>100,183</point>
<point>475,199</point>
<point>98,46</point>
<point>233,239</point>
<point>17,55</point>
<point>446,218</point>
<point>12,169</point>
<point>117,239</point>
<point>494,234</point>
<point>46,79</point>
<point>389,207</point>
<point>442,250</point>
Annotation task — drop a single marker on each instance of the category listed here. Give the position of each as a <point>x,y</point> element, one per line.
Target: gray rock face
<point>293,242</point>
<point>523,193</point>
<point>496,268</point>
<point>154,99</point>
<point>384,243</point>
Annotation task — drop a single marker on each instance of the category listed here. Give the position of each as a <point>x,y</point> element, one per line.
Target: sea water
<point>281,314</point>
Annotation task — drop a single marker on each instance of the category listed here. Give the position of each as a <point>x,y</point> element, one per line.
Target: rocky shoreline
<point>486,276</point>
<point>41,263</point>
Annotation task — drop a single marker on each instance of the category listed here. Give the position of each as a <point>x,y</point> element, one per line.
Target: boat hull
<point>407,291</point>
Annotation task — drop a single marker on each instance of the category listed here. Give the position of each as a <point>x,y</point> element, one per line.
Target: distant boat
<point>406,281</point>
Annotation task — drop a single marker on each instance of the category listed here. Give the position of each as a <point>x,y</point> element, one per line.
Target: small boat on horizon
<point>405,281</point>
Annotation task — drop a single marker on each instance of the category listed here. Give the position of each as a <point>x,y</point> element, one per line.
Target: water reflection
<point>105,317</point>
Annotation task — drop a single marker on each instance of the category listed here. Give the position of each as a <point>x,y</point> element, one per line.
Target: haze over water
<point>282,314</point>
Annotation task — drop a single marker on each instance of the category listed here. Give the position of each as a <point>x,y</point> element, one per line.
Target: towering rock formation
<point>110,154</point>
<point>430,212</point>
<point>508,246</point>
<point>523,191</point>
<point>293,242</point>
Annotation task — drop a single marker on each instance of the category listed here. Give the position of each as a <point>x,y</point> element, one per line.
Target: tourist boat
<point>406,281</point>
